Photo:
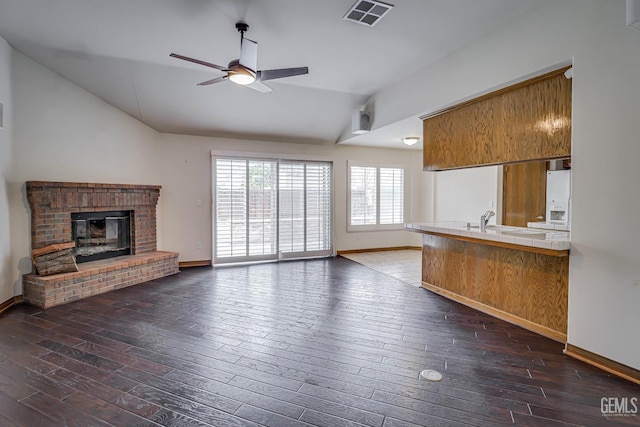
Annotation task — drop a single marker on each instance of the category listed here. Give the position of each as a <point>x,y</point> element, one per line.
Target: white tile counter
<point>517,274</point>
<point>549,226</point>
<point>555,240</point>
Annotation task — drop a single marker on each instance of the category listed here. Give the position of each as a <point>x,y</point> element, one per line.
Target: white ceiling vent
<point>367,12</point>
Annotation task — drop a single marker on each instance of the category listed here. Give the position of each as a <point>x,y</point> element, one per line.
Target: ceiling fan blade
<point>197,61</point>
<point>212,81</point>
<point>281,73</point>
<point>260,87</point>
<point>249,54</point>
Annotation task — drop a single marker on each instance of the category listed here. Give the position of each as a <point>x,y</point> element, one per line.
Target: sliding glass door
<point>305,209</point>
<point>246,210</point>
<point>267,209</point>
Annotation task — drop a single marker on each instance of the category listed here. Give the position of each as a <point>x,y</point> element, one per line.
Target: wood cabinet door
<point>524,192</point>
<point>528,121</point>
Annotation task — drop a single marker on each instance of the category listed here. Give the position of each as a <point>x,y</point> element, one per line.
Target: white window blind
<point>318,207</point>
<point>391,196</point>
<point>364,195</point>
<point>245,209</point>
<point>292,207</point>
<point>305,208</point>
<point>263,208</point>
<point>376,197</point>
<point>231,205</point>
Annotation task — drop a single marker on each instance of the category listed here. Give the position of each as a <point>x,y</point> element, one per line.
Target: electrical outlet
<point>198,245</point>
<point>198,203</point>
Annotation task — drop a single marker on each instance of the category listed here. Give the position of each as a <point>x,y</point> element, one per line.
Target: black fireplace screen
<point>100,235</point>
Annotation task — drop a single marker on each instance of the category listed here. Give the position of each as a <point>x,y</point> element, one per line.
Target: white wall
<point>465,194</point>
<point>186,165</point>
<point>604,260</point>
<point>63,133</point>
<point>6,291</point>
<point>605,254</point>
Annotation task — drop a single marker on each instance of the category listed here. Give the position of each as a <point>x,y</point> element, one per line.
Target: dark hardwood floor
<point>322,342</point>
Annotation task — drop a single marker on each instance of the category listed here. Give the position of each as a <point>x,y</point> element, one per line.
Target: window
<point>391,210</point>
<point>376,197</point>
<point>269,209</point>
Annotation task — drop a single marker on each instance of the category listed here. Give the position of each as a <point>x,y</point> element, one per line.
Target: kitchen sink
<point>477,227</point>
<point>531,234</point>
<point>524,233</point>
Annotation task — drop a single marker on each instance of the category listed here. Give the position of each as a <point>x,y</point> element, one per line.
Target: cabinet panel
<point>525,288</point>
<point>528,121</point>
<point>464,136</point>
<point>537,120</point>
<point>524,193</point>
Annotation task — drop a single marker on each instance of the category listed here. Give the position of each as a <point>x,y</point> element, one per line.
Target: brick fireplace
<point>52,205</point>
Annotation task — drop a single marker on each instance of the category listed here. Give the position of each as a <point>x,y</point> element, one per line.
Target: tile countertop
<point>538,238</point>
<point>549,226</point>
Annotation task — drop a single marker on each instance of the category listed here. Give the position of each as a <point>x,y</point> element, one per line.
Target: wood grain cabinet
<point>524,193</point>
<point>528,121</point>
<point>526,288</point>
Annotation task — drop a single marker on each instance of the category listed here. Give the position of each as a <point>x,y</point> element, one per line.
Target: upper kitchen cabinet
<point>524,122</point>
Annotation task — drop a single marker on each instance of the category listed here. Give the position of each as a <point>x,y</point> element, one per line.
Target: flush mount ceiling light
<point>367,12</point>
<point>410,140</point>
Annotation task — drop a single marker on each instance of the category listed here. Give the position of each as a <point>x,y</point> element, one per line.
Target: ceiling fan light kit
<point>242,78</point>
<point>243,71</point>
<point>240,75</point>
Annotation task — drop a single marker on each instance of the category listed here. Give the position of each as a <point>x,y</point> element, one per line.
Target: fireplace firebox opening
<point>100,235</point>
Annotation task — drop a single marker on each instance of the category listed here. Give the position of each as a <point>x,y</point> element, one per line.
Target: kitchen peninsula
<point>514,273</point>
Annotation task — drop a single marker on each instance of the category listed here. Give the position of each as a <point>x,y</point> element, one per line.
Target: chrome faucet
<point>484,219</point>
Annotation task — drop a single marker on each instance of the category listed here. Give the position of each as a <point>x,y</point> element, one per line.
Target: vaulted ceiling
<point>119,51</point>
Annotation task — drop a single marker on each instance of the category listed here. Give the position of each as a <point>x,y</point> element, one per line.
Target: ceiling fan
<point>243,71</point>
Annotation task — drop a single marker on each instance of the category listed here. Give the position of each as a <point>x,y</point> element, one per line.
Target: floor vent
<point>367,12</point>
<point>431,375</point>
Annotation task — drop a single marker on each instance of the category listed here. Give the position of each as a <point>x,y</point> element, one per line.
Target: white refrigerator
<point>558,196</point>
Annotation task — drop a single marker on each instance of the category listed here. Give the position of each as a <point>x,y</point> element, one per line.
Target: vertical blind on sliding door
<point>270,209</point>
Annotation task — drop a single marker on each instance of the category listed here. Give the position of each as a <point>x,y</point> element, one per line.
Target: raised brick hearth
<point>51,206</point>
<point>97,277</point>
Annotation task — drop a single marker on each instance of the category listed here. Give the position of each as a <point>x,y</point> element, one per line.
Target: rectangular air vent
<point>367,12</point>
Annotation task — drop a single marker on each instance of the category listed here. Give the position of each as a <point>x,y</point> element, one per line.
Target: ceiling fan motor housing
<point>237,67</point>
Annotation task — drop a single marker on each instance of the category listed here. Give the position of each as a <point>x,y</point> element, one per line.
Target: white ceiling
<point>119,51</point>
